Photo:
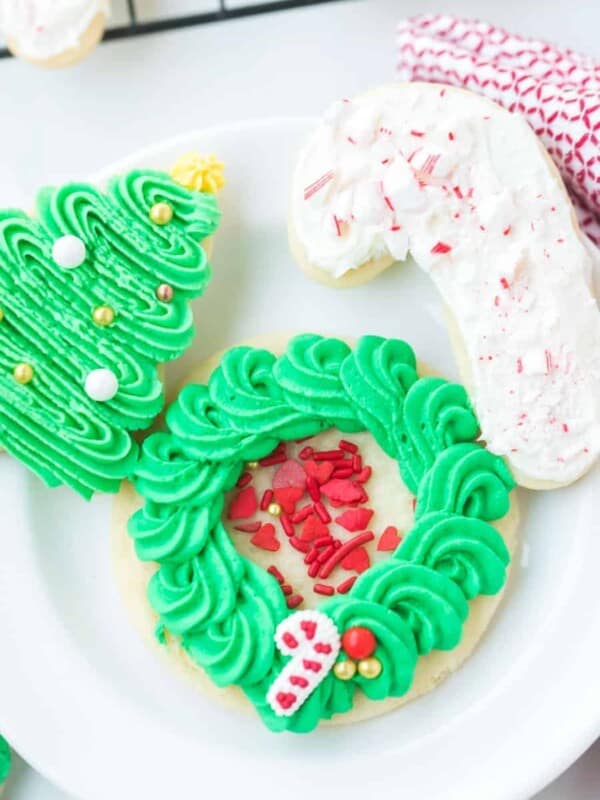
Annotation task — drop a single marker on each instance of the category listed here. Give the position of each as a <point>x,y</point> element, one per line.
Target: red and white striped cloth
<point>557,90</point>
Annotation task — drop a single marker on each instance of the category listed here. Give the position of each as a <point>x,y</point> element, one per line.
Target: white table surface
<point>61,125</point>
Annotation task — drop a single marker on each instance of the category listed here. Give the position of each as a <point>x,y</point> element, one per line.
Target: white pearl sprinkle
<point>68,252</point>
<point>101,385</point>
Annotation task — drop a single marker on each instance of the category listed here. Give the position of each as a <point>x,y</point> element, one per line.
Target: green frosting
<point>5,760</point>
<point>50,423</point>
<point>225,609</point>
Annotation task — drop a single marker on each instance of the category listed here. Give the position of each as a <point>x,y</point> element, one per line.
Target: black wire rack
<point>133,27</point>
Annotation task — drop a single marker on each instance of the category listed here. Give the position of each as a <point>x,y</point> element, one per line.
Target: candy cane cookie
<point>466,189</point>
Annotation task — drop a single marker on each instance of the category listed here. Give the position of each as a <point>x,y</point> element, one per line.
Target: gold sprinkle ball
<point>165,293</point>
<point>344,670</point>
<point>199,173</point>
<point>252,464</point>
<point>274,509</point>
<point>23,373</point>
<point>103,316</point>
<point>370,667</point>
<point>161,213</point>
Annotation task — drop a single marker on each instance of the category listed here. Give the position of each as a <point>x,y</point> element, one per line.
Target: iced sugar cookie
<point>53,33</point>
<point>467,190</point>
<point>317,532</point>
<point>95,292</point>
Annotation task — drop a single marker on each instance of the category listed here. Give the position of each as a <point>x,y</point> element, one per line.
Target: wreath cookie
<point>467,189</point>
<point>95,292</point>
<point>320,530</point>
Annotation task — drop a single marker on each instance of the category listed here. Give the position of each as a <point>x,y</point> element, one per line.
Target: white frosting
<point>41,29</point>
<point>466,188</point>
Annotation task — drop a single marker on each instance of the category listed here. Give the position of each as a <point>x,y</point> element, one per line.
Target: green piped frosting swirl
<point>224,609</point>
<point>50,423</point>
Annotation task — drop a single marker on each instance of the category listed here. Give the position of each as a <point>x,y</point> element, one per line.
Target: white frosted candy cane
<point>465,188</point>
<point>313,641</point>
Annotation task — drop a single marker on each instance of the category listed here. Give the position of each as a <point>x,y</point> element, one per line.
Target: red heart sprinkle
<point>309,628</point>
<point>358,560</point>
<point>313,528</point>
<point>389,539</point>
<point>287,497</point>
<point>289,639</point>
<point>266,538</point>
<point>321,472</point>
<point>290,473</point>
<point>312,666</point>
<point>244,504</point>
<point>355,519</point>
<point>286,699</point>
<point>342,491</point>
<point>298,680</point>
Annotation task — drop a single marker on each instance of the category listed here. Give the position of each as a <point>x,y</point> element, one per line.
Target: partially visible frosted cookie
<point>53,33</point>
<point>223,563</point>
<point>467,190</point>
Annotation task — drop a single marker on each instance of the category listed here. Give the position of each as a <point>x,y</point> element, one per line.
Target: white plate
<point>84,700</point>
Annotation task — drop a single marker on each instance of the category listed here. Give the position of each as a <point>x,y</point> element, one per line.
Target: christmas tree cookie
<point>316,530</point>
<point>95,293</point>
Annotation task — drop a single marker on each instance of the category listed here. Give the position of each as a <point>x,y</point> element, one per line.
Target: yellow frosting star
<point>200,173</point>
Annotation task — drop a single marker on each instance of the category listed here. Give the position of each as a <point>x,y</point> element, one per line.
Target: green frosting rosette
<point>95,292</point>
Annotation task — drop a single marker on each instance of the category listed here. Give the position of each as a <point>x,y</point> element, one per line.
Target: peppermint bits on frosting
<point>464,187</point>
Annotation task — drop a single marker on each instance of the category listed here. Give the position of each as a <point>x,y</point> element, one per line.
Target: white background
<point>68,124</point>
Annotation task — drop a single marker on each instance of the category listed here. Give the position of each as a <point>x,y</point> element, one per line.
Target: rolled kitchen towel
<point>557,90</point>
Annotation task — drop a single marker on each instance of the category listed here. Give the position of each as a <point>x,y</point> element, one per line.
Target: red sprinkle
<point>519,365</point>
<point>355,519</point>
<point>326,554</point>
<point>506,231</point>
<point>389,539</point>
<point>417,133</point>
<point>287,589</point>
<point>342,472</point>
<point>346,585</point>
<point>311,556</point>
<point>313,488</point>
<point>349,447</point>
<point>441,248</point>
<point>275,458</point>
<point>247,527</point>
<point>357,561</point>
<point>286,524</point>
<point>364,475</point>
<point>323,540</point>
<point>313,528</point>
<point>322,512</point>
<point>504,283</point>
<point>327,455</point>
<point>313,570</point>
<point>294,600</point>
<point>320,471</point>
<point>266,539</point>
<point>305,453</point>
<point>302,514</point>
<point>345,550</point>
<point>565,427</point>
<point>266,499</point>
<point>302,547</point>
<point>451,136</point>
<point>244,480</point>
<point>243,505</point>
<point>323,588</point>
<point>357,463</point>
<point>272,570</point>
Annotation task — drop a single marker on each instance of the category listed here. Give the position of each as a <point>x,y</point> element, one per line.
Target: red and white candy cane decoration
<point>313,641</point>
<point>557,90</point>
